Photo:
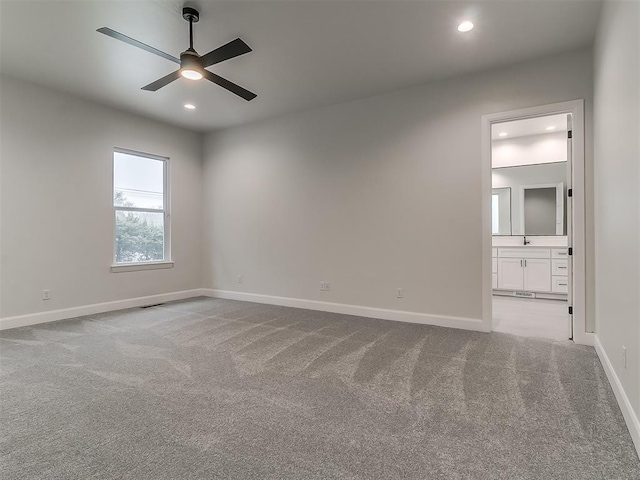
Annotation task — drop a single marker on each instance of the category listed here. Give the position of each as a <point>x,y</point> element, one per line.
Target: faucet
<point>526,242</point>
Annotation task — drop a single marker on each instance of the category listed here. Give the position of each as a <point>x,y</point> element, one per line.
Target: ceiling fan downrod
<point>192,16</point>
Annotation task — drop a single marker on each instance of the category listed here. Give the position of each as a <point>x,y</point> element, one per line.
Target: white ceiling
<point>529,126</point>
<point>306,53</point>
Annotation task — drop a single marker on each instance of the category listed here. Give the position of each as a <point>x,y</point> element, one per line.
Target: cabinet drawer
<point>525,252</point>
<point>494,253</point>
<point>494,280</point>
<point>559,267</point>
<point>494,265</point>
<point>559,253</point>
<point>559,284</point>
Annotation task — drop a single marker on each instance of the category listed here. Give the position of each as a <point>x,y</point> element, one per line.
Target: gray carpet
<point>210,388</point>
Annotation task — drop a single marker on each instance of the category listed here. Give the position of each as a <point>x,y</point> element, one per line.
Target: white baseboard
<point>629,414</point>
<point>371,312</point>
<point>53,315</point>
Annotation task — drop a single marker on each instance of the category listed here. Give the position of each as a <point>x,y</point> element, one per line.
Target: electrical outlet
<point>239,278</point>
<point>46,294</point>
<point>322,287</point>
<point>327,286</point>
<point>624,357</point>
<point>399,293</point>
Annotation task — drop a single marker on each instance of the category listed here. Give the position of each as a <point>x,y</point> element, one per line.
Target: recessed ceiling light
<point>189,106</point>
<point>552,127</point>
<point>502,134</point>
<point>465,26</point>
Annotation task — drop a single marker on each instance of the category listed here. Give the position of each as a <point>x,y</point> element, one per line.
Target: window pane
<point>137,181</point>
<point>495,214</point>
<point>139,236</point>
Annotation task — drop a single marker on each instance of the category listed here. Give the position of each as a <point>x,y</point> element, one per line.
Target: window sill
<point>134,267</point>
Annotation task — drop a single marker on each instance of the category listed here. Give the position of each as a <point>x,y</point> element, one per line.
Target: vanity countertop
<point>559,241</point>
<point>529,246</point>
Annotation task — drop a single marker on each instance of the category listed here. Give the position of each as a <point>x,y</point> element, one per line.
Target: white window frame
<point>166,262</point>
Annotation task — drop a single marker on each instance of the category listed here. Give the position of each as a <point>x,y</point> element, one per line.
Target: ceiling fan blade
<point>234,48</point>
<point>162,82</point>
<point>123,38</point>
<point>232,87</point>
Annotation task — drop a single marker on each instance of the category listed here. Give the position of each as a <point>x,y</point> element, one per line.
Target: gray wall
<point>617,190</point>
<point>370,195</point>
<point>57,202</point>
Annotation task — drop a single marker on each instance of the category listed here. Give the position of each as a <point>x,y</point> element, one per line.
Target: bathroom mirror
<point>537,205</point>
<point>529,176</point>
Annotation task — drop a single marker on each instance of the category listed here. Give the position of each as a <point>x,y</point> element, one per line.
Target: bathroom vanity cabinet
<point>531,270</point>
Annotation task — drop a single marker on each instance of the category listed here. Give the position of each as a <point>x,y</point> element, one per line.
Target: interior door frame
<point>576,203</point>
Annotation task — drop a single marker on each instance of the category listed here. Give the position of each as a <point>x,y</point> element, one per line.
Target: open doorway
<point>575,211</point>
<point>531,226</point>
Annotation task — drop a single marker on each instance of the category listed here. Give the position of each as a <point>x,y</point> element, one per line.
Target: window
<point>495,214</point>
<point>141,208</point>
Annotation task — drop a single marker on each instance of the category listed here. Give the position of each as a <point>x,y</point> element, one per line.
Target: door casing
<point>576,235</point>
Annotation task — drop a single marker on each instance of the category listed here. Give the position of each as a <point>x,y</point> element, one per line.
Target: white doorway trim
<point>576,203</point>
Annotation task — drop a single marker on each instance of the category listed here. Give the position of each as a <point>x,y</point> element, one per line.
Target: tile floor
<point>531,317</point>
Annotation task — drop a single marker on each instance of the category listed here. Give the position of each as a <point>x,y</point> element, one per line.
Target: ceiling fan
<point>192,65</point>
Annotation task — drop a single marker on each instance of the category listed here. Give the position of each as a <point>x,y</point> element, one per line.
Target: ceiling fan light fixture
<point>190,74</point>
<point>190,65</point>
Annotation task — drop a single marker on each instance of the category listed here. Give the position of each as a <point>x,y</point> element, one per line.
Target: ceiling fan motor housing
<point>190,60</point>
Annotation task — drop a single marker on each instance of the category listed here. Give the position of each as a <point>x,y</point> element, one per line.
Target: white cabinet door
<point>537,275</point>
<point>510,273</point>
